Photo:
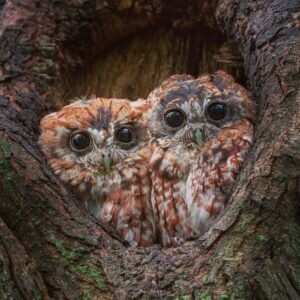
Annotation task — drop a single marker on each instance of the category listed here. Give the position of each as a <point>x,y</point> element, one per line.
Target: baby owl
<point>99,148</point>
<point>202,130</point>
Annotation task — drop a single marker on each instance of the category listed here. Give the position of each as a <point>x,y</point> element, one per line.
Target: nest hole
<point>132,67</point>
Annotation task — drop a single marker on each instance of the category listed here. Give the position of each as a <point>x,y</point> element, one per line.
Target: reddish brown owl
<point>203,129</point>
<point>99,148</point>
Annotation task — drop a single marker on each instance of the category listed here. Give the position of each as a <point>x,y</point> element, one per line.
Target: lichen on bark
<point>55,50</point>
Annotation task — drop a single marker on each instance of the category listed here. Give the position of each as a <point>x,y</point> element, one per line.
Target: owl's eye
<point>217,111</point>
<point>124,135</point>
<point>174,118</point>
<point>80,141</point>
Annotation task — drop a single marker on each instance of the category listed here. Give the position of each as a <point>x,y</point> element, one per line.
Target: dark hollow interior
<point>132,67</point>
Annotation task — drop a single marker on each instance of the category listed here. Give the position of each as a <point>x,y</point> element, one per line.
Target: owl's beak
<point>107,162</point>
<point>199,136</point>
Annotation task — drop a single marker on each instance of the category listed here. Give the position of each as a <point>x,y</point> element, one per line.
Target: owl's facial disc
<point>100,149</point>
<point>193,121</point>
<point>206,124</point>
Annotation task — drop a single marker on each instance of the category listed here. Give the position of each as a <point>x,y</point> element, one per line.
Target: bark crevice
<point>252,252</point>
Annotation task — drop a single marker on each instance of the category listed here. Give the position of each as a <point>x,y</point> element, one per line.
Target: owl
<point>202,129</point>
<point>99,149</point>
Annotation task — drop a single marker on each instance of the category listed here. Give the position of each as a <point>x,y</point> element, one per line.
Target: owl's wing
<point>210,182</point>
<point>128,207</point>
<point>167,197</point>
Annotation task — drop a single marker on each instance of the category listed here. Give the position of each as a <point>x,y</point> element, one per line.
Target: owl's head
<point>191,110</point>
<point>92,136</point>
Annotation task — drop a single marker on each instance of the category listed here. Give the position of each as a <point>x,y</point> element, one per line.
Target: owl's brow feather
<point>87,109</point>
<point>102,103</point>
<point>103,118</point>
<point>124,120</point>
<point>179,91</point>
<point>220,84</point>
<point>119,110</point>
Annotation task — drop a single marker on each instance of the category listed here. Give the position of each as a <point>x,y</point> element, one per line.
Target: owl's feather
<point>194,165</point>
<point>110,176</point>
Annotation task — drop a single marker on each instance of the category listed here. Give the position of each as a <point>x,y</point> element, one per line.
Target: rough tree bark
<point>52,50</point>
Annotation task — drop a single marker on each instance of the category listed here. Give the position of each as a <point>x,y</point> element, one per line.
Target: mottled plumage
<point>202,129</point>
<point>100,149</point>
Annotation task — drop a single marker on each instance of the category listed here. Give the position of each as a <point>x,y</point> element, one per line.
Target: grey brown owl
<point>202,130</point>
<point>99,148</point>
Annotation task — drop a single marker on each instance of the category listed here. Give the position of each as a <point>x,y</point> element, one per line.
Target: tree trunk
<point>51,51</point>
